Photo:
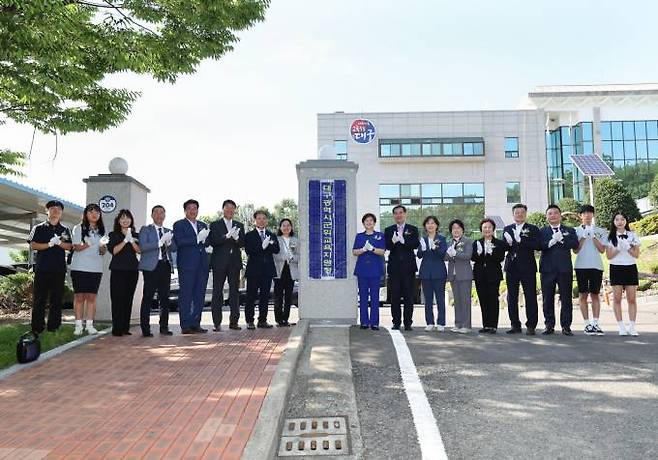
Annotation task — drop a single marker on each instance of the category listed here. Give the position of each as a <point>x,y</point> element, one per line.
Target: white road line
<point>429,437</point>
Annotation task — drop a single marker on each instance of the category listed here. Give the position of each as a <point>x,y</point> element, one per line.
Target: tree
<point>611,196</point>
<point>537,218</point>
<point>55,54</point>
<point>653,193</point>
<point>286,208</point>
<point>19,256</point>
<point>570,208</point>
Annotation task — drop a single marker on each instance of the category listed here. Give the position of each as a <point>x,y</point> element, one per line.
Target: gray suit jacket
<point>149,249</point>
<point>281,257</point>
<point>459,267</point>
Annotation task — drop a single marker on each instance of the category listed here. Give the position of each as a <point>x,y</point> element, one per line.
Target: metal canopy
<point>592,165</point>
<point>21,207</point>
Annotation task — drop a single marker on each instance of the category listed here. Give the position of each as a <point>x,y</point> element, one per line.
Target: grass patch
<point>10,333</point>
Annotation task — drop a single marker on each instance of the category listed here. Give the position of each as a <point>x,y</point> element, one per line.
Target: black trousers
<point>257,288</point>
<point>122,292</point>
<point>283,294</point>
<point>158,280</point>
<point>564,283</point>
<point>47,286</point>
<point>219,276</point>
<point>529,284</point>
<point>487,291</point>
<point>402,286</point>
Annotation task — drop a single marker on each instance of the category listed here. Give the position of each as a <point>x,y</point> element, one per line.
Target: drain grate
<point>314,436</point>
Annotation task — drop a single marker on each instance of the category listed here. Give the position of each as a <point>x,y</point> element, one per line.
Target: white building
<point>472,163</point>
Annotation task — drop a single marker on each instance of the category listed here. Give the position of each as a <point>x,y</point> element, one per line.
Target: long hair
<point>124,212</point>
<point>612,236</point>
<point>84,223</point>
<point>292,230</point>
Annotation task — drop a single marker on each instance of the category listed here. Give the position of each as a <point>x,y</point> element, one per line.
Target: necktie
<point>400,229</point>
<point>583,227</point>
<point>262,235</point>
<point>556,229</point>
<point>163,248</point>
<point>623,236</point>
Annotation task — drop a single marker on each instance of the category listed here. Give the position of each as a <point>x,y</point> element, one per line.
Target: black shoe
<point>396,327</point>
<point>187,331</point>
<point>235,327</point>
<point>492,330</point>
<point>147,334</point>
<point>566,331</point>
<point>117,334</point>
<point>166,332</point>
<point>374,328</point>
<point>484,330</point>
<point>363,326</point>
<point>530,331</point>
<point>548,331</point>
<point>199,330</point>
<point>514,330</point>
<point>408,328</point>
<point>217,328</point>
<point>264,325</point>
<point>251,326</point>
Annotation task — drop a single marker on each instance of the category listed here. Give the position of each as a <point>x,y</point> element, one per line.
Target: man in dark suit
<point>156,246</point>
<point>555,267</point>
<point>521,269</point>
<point>401,240</point>
<point>226,238</point>
<point>190,238</point>
<point>259,244</point>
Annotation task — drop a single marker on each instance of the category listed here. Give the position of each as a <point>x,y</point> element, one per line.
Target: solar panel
<point>498,220</point>
<point>592,165</point>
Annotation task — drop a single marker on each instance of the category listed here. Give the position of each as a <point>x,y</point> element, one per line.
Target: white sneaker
<point>429,328</point>
<point>439,328</point>
<point>91,329</point>
<point>78,329</point>
<point>632,331</point>
<point>464,330</point>
<point>623,332</point>
<point>454,329</point>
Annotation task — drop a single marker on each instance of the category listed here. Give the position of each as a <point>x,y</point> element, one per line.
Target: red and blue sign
<point>362,131</point>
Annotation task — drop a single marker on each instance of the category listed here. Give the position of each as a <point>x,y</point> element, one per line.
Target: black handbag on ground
<point>28,348</point>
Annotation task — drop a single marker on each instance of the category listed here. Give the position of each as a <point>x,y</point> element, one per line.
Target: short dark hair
<point>553,206</point>
<point>261,211</point>
<point>519,205</point>
<point>189,202</point>
<point>586,208</point>
<point>52,203</point>
<point>366,215</point>
<point>161,207</point>
<point>229,202</point>
<point>456,222</point>
<point>434,218</point>
<point>292,229</point>
<point>485,220</point>
<point>400,206</point>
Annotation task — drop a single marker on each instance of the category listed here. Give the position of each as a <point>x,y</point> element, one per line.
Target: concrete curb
<point>264,440</point>
<point>52,353</point>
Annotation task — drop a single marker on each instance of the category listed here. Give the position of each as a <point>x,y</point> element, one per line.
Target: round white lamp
<point>118,165</point>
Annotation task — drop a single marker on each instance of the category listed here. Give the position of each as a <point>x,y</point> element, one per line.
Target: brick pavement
<point>192,396</point>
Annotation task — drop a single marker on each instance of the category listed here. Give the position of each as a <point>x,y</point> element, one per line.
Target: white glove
<point>236,233</point>
<point>55,241</point>
<point>395,238</point>
<point>423,246</point>
<point>452,252</point>
<point>478,247</point>
<point>368,246</point>
<point>129,237</point>
<point>488,247</point>
<point>87,240</point>
<point>634,241</point>
<point>266,242</point>
<point>166,239</point>
<point>623,244</point>
<point>557,237</point>
<point>209,250</point>
<point>508,238</point>
<point>517,235</point>
<point>432,245</point>
<point>202,235</point>
<point>104,240</point>
<point>400,238</point>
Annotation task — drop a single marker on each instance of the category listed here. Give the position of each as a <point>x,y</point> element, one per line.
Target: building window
<point>511,147</point>
<point>431,147</point>
<point>445,200</point>
<point>513,192</point>
<point>341,149</point>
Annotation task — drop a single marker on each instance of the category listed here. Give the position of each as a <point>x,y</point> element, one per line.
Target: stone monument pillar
<point>327,224</point>
<point>113,192</point>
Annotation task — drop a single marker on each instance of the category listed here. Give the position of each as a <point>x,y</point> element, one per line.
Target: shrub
<point>611,196</point>
<point>570,208</point>
<point>644,285</point>
<point>654,269</point>
<point>16,291</point>
<point>537,218</point>
<point>647,225</point>
<point>653,193</point>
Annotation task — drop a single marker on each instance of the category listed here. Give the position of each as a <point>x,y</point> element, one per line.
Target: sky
<point>237,127</point>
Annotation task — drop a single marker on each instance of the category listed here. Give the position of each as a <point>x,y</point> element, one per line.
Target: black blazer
<point>226,253</point>
<point>261,261</point>
<point>557,258</point>
<point>401,257</point>
<point>520,258</point>
<point>487,267</point>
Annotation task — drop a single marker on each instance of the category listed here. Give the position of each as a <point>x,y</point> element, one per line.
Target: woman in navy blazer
<point>433,273</point>
<point>369,247</point>
<point>488,255</point>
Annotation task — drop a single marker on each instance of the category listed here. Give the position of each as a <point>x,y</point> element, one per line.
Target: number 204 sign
<point>107,203</point>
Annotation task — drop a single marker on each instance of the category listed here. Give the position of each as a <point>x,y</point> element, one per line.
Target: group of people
<point>459,260</point>
<point>271,257</point>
